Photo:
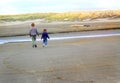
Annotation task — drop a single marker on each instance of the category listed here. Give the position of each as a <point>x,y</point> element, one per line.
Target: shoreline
<point>62,36</point>
<point>59,32</point>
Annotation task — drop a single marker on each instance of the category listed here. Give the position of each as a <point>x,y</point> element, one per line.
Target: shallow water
<point>88,34</point>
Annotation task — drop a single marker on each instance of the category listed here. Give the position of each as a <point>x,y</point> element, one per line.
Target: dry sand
<point>94,60</point>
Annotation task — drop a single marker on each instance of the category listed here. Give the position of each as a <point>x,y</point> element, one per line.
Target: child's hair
<point>44,30</point>
<point>32,24</point>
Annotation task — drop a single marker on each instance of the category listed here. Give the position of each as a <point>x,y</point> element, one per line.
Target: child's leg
<point>33,40</point>
<point>46,42</point>
<point>43,42</point>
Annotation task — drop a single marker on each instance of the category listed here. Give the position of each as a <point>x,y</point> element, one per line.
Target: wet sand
<point>90,60</point>
<point>22,28</point>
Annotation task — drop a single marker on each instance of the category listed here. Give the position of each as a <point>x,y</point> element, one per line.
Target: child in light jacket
<point>33,33</point>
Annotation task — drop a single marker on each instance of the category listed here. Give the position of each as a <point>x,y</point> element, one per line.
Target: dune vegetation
<point>64,16</point>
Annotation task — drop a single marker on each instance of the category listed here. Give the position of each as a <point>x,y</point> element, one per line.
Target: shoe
<point>43,45</point>
<point>35,46</point>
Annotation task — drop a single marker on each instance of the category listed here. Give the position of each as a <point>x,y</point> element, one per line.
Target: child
<point>45,36</point>
<point>33,32</point>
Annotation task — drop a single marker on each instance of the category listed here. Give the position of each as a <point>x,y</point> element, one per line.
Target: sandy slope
<point>22,28</point>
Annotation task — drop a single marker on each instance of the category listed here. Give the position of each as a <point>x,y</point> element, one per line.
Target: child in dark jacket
<point>45,37</point>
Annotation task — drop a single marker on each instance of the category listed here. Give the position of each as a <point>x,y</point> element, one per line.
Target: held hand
<point>30,35</point>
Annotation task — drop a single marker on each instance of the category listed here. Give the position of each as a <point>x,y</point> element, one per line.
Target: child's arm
<point>42,36</point>
<point>37,32</point>
<point>48,36</point>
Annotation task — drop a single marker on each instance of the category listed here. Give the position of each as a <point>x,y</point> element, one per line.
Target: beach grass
<point>64,16</point>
